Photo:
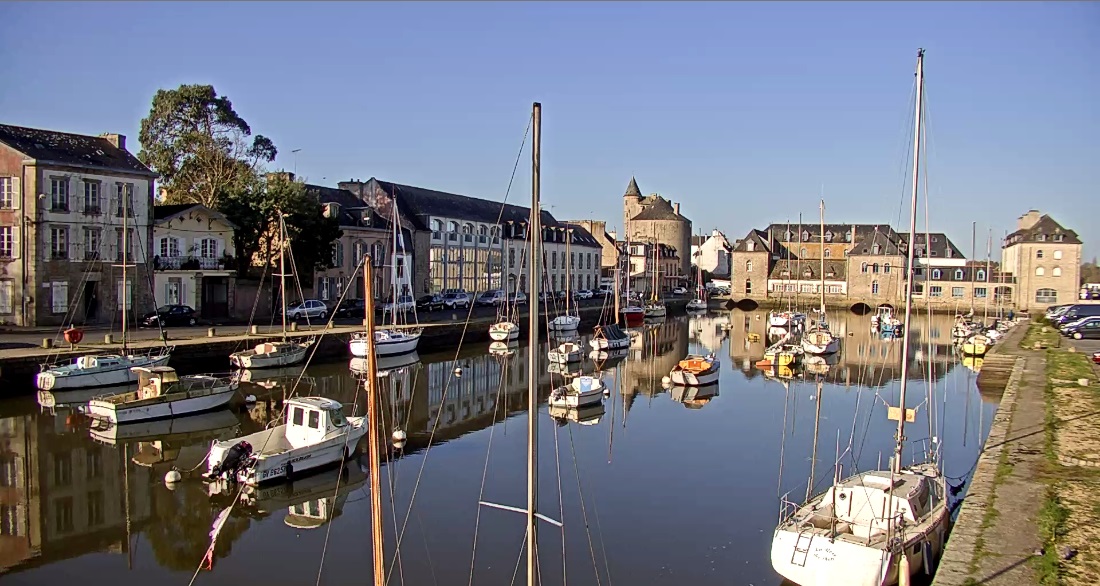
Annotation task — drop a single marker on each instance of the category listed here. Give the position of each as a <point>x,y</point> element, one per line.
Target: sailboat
<point>873,528</point>
<point>656,307</point>
<point>569,321</point>
<point>611,336</point>
<point>818,339</point>
<point>282,353</point>
<point>105,370</point>
<point>388,341</point>
<point>700,301</point>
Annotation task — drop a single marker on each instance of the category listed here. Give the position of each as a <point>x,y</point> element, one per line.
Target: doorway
<point>91,302</point>
<point>215,297</point>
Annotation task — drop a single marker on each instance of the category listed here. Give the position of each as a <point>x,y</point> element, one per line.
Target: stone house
<point>654,218</point>
<point>712,253</point>
<point>463,242</point>
<point>64,199</point>
<point>609,257</point>
<point>363,231</point>
<point>1044,258</point>
<point>191,261</point>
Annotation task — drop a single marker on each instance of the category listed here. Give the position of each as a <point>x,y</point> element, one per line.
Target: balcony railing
<point>189,263</point>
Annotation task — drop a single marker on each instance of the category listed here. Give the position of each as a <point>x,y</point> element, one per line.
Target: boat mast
<point>822,251</point>
<point>798,266</point>
<point>973,253</point>
<point>373,449</point>
<point>568,271</point>
<point>615,292</point>
<point>988,253</point>
<point>535,270</point>
<point>282,268</point>
<point>899,439</point>
<point>393,267</point>
<point>125,288</point>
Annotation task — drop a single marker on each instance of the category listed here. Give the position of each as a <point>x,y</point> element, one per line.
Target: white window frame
<point>92,201</point>
<point>208,248</point>
<point>7,193</point>
<point>59,243</point>
<point>7,241</point>
<point>59,194</point>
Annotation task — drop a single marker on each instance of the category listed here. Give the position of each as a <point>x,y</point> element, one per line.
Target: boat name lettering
<point>824,554</point>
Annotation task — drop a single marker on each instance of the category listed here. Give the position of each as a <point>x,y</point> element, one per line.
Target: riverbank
<point>1033,494</point>
<point>208,349</point>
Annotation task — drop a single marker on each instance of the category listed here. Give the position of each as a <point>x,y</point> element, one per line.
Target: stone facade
<point>712,254</point>
<point>654,218</point>
<point>191,261</point>
<point>1045,259</point>
<point>64,199</point>
<point>609,256</point>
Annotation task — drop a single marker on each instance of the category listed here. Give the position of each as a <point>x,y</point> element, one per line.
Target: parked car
<point>430,302</point>
<point>606,290</point>
<point>679,291</point>
<point>170,315</point>
<point>1075,323</point>
<point>1084,329</point>
<point>309,309</point>
<point>519,298</point>
<point>585,294</point>
<point>456,300</point>
<point>350,308</point>
<point>403,304</point>
<point>1096,357</point>
<point>1076,312</point>
<point>491,297</point>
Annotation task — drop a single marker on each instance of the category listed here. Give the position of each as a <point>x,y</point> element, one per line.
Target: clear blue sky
<point>740,111</point>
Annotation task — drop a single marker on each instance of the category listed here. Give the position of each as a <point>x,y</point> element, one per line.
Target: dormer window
<point>829,236</point>
<point>980,276</point>
<point>936,274</point>
<point>1058,237</point>
<point>332,210</point>
<point>750,245</point>
<point>958,274</point>
<point>875,249</point>
<point>807,273</point>
<point>947,253</point>
<point>805,235</point>
<point>848,236</point>
<point>1041,237</point>
<point>790,236</point>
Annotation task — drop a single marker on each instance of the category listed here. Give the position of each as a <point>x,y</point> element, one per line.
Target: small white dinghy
<point>271,355</point>
<point>386,343</point>
<point>696,371</point>
<point>161,394</point>
<point>504,331</point>
<point>316,434</point>
<point>566,353</point>
<point>581,392</point>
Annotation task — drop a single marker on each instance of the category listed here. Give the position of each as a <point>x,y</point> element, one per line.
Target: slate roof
<point>351,207</point>
<point>812,231</point>
<point>421,203</point>
<point>632,189</point>
<point>758,237</point>
<point>169,211</point>
<point>64,148</point>
<point>1046,228</point>
<point>581,237</point>
<point>839,269</point>
<point>660,209</point>
<point>877,243</point>
<point>941,246</point>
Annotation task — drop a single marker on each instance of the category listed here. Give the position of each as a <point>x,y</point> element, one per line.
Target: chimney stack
<point>1028,220</point>
<point>676,208</point>
<point>118,140</point>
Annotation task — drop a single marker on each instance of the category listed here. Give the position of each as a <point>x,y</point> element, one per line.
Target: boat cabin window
<point>297,417</point>
<point>314,419</point>
<point>337,418</point>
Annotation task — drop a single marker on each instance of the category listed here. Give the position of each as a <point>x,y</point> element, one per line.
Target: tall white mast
<point>822,317</point>
<point>900,438</point>
<point>535,273</point>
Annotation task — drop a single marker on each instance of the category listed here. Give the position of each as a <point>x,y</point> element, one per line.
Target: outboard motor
<point>234,457</point>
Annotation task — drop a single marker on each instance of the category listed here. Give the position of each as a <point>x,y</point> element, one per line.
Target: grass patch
<point>1052,524</point>
<point>1069,366</point>
<point>1051,338</point>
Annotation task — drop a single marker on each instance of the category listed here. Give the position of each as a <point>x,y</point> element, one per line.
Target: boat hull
<point>311,458</point>
<point>386,347</point>
<point>563,323</point>
<point>657,311</point>
<point>612,344</point>
<point>633,317</point>
<point>249,359</point>
<point>691,379</point>
<point>576,400</point>
<point>818,348</point>
<point>504,332</point>
<point>121,414</point>
<point>52,380</point>
<point>697,305</point>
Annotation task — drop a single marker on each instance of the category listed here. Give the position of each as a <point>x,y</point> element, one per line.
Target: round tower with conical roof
<point>632,204</point>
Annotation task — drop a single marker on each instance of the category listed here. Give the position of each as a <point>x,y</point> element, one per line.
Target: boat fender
<point>666,381</point>
<point>290,472</point>
<point>399,435</point>
<point>172,476</point>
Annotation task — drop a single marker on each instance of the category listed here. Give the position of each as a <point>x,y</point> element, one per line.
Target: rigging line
<point>458,350</point>
<point>427,550</point>
<point>584,511</point>
<point>519,558</point>
<point>783,441</point>
<point>501,397</point>
<point>561,506</point>
<point>903,170</point>
<point>335,494</point>
<point>391,482</point>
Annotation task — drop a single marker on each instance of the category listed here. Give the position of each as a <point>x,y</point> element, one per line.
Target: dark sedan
<point>350,308</point>
<point>429,302</point>
<point>1087,329</point>
<point>170,315</point>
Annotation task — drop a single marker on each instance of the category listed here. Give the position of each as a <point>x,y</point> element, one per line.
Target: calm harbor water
<point>657,487</point>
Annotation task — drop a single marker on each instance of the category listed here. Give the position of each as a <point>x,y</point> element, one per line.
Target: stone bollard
<point>255,330</point>
<point>211,332</point>
<point>108,339</point>
<point>47,343</point>
<point>1072,349</point>
<point>294,326</point>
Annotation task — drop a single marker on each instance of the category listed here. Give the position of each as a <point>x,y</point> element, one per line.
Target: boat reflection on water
<point>76,399</point>
<point>175,429</point>
<point>386,364</point>
<point>589,415</point>
<point>310,502</point>
<point>605,359</point>
<point>504,349</point>
<point>694,397</point>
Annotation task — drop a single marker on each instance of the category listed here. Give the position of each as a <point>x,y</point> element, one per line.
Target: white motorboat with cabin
<point>696,371</point>
<point>316,434</point>
<point>161,393</point>
<point>99,370</point>
<point>388,342</point>
<point>582,391</point>
<point>271,355</point>
<point>787,319</point>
